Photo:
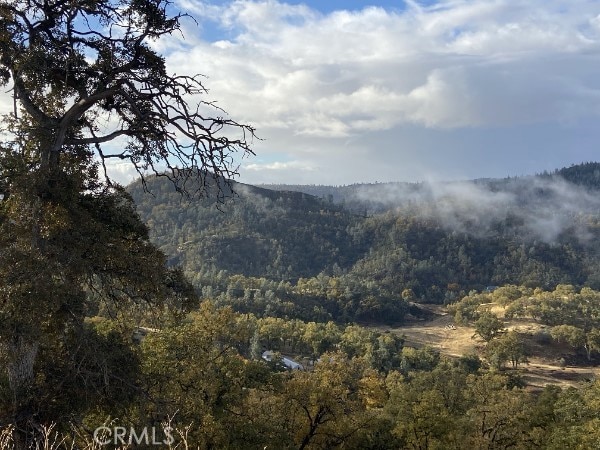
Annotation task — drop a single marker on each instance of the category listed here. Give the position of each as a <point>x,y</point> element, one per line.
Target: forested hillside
<point>383,196</point>
<point>433,243</point>
<point>255,232</point>
<point>363,317</point>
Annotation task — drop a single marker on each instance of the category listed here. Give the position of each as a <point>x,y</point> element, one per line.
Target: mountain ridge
<point>360,196</point>
<point>438,242</point>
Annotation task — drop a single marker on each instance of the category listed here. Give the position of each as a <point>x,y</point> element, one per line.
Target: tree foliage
<point>73,65</point>
<point>488,326</point>
<point>285,236</point>
<point>84,74</point>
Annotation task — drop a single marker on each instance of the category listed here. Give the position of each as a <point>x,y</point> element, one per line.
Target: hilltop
<point>433,242</point>
<point>380,197</point>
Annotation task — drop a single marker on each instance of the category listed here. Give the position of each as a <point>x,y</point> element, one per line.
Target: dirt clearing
<point>546,361</point>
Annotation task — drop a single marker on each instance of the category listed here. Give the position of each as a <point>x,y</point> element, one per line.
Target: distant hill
<point>256,232</point>
<point>371,198</point>
<point>437,240</point>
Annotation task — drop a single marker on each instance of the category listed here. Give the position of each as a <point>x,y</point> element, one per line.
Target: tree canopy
<point>84,73</point>
<point>88,87</point>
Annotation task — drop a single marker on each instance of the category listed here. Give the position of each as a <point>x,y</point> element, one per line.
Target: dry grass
<point>50,439</point>
<point>544,365</point>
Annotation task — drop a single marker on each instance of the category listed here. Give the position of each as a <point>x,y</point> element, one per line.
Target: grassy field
<point>549,362</point>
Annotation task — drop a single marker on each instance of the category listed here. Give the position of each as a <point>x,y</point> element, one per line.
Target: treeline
<point>585,174</point>
<point>341,298</point>
<point>383,197</point>
<point>440,265</point>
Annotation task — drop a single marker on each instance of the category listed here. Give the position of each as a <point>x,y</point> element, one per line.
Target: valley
<point>400,257</point>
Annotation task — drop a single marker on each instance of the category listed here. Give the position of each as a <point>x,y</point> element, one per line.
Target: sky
<point>343,92</point>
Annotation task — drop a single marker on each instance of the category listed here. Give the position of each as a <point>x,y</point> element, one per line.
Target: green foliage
<point>71,242</point>
<point>578,338</point>
<point>570,334</point>
<point>289,236</point>
<point>585,174</point>
<point>199,373</point>
<point>506,295</point>
<point>425,358</point>
<point>467,309</point>
<point>256,232</point>
<point>488,326</point>
<point>90,255</point>
<point>194,373</point>
<point>573,313</point>
<point>470,363</point>
<point>576,422</point>
<point>508,347</point>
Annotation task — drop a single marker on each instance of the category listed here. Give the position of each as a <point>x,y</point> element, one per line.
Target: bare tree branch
<point>68,73</point>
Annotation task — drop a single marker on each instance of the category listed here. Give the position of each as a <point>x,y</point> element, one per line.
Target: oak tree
<point>89,88</point>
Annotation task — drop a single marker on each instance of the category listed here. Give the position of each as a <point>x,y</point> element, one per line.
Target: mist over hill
<point>541,206</point>
<point>436,240</point>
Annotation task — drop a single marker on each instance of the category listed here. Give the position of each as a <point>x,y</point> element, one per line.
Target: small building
<point>287,362</point>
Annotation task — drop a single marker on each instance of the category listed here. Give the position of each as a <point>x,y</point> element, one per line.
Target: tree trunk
<point>21,354</point>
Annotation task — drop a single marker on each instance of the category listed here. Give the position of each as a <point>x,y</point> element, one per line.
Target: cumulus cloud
<point>121,172</point>
<point>375,81</point>
<point>454,64</point>
<point>381,94</point>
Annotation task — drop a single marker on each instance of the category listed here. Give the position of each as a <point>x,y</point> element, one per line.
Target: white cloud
<point>388,94</point>
<point>459,63</point>
<point>284,172</point>
<point>6,101</point>
<point>121,172</point>
<point>294,165</point>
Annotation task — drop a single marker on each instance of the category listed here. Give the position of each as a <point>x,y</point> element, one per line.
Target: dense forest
<point>296,255</point>
<point>252,318</point>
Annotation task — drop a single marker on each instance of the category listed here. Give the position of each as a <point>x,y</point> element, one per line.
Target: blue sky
<point>213,30</point>
<point>345,92</point>
<point>350,5</point>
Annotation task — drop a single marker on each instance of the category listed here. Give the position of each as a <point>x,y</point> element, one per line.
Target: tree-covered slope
<point>438,263</point>
<point>438,241</point>
<point>381,197</point>
<point>255,232</point>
